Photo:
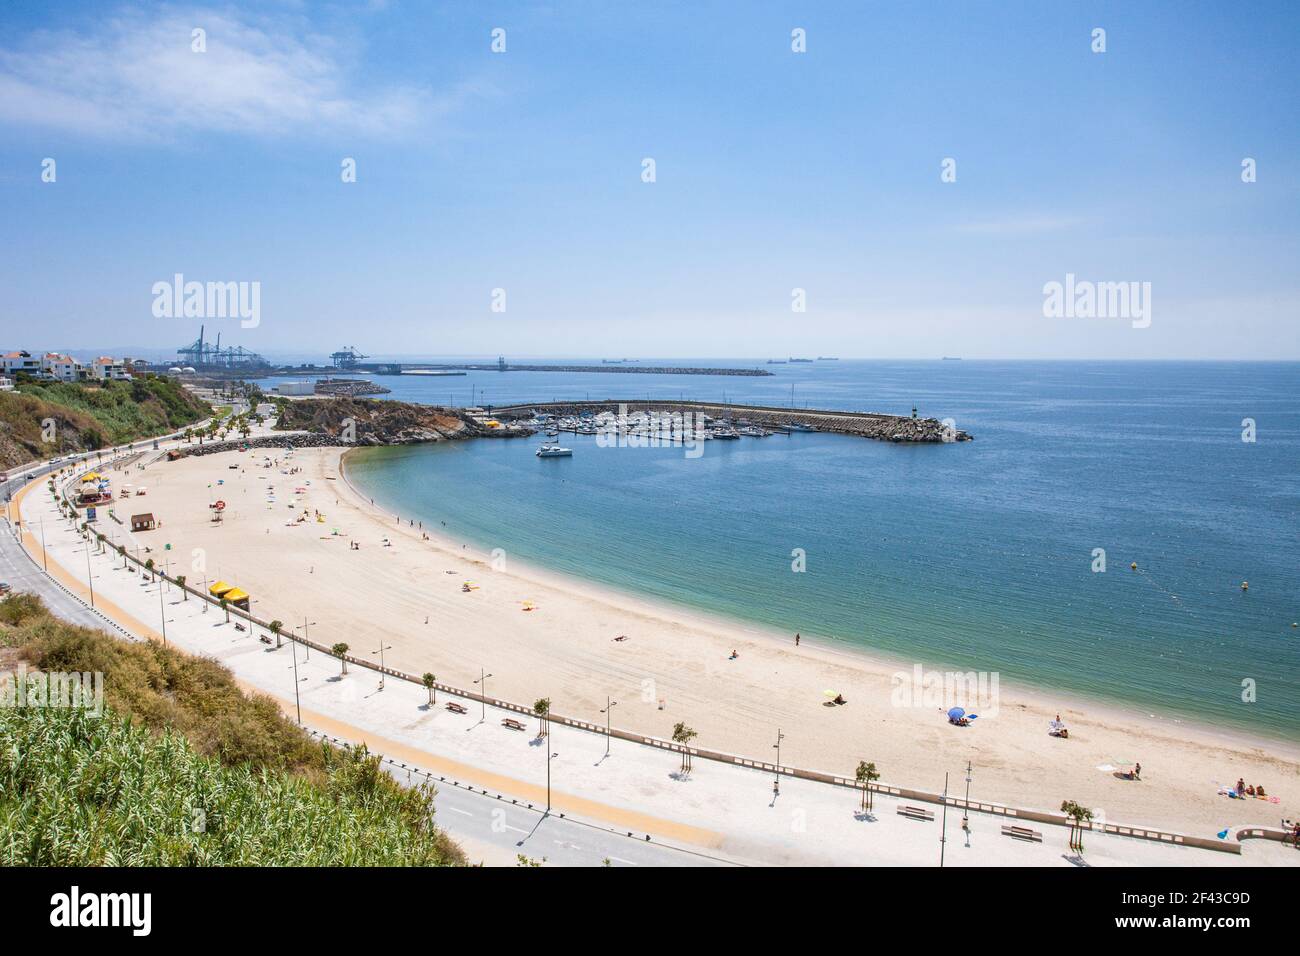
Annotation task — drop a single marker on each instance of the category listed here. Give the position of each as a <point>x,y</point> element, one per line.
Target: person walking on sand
<point>1137,771</point>
<point>796,639</point>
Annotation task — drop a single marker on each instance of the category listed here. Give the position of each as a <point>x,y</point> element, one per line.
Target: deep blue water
<point>977,556</point>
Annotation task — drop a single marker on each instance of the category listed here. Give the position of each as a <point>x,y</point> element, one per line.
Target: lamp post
<point>297,705</point>
<point>776,781</point>
<point>482,698</point>
<point>549,755</point>
<point>45,555</point>
<point>609,705</point>
<point>380,652</point>
<point>943,833</point>
<point>89,577</point>
<point>965,814</point>
<point>162,611</point>
<point>306,646</point>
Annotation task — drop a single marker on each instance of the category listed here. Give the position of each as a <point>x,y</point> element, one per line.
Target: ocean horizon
<point>981,556</point>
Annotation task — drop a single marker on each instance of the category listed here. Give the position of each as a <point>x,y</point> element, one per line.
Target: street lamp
<point>297,705</point>
<point>306,646</point>
<point>549,755</point>
<point>482,697</point>
<point>776,781</point>
<point>609,705</point>
<point>965,813</point>
<point>380,652</point>
<point>89,577</point>
<point>162,611</point>
<point>943,832</point>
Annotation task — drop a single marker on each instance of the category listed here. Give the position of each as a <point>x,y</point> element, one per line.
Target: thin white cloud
<point>137,77</point>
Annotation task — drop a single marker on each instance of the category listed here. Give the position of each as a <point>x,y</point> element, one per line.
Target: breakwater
<point>892,428</point>
<point>389,368</point>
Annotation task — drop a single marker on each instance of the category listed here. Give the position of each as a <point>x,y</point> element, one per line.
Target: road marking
<point>621,860</point>
<point>516,829</point>
<point>456,810</point>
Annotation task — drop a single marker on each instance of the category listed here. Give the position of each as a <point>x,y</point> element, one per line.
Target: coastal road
<point>490,821</point>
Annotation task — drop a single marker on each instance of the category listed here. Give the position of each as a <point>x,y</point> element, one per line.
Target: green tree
<point>542,708</point>
<point>430,682</point>
<point>1079,815</point>
<point>225,606</point>
<point>683,735</point>
<point>340,651</point>
<point>149,567</point>
<point>865,776</point>
<point>274,627</point>
<point>180,582</point>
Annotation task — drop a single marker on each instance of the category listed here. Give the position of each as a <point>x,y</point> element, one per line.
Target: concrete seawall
<point>894,428</point>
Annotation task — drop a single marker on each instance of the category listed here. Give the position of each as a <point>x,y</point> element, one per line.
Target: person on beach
<point>796,639</point>
<point>1137,771</point>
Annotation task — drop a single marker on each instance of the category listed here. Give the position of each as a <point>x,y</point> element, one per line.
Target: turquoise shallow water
<point>977,556</point>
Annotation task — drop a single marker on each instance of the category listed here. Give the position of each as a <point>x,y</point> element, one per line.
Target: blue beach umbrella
<point>957,713</point>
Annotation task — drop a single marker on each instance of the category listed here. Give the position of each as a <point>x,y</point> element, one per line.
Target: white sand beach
<point>409,597</point>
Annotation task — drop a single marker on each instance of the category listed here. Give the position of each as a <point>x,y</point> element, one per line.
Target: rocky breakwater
<point>352,423</point>
<point>359,422</point>
<point>890,428</point>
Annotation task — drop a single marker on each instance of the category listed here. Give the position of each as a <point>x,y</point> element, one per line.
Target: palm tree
<point>542,707</point>
<point>225,606</point>
<point>1078,814</point>
<point>430,681</point>
<point>339,650</point>
<point>149,567</point>
<point>180,582</point>
<point>865,777</point>
<point>121,549</point>
<point>684,735</point>
<point>274,628</point>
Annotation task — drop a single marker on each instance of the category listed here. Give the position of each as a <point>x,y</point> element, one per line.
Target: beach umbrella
<point>957,713</point>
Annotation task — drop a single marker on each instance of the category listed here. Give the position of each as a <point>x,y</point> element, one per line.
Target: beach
<point>539,634</point>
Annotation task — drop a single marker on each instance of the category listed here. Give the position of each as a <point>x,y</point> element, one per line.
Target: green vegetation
<point>89,415</point>
<point>184,769</point>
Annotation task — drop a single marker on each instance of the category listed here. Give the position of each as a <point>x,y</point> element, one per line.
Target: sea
<point>1091,541</point>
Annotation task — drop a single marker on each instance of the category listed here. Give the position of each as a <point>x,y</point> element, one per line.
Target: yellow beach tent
<point>220,588</point>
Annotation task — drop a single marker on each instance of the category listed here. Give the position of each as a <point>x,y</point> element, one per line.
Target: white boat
<point>550,450</point>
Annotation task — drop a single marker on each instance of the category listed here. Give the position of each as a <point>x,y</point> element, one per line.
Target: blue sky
<point>774,171</point>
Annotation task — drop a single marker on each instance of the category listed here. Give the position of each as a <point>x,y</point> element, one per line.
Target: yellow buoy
<point>1245,586</point>
<point>1134,565</point>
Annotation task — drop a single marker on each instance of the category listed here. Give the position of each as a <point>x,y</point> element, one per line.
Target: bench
<point>916,813</point>
<point>512,724</point>
<point>1022,833</point>
<point>456,708</point>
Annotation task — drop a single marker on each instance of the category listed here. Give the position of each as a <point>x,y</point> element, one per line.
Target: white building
<point>63,368</point>
<point>295,388</point>
<point>11,363</point>
<point>6,384</point>
<point>106,368</point>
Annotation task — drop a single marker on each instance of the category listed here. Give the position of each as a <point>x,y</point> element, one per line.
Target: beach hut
<point>238,597</point>
<point>220,589</point>
<point>143,522</point>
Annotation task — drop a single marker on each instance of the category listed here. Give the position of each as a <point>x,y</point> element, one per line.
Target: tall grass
<point>81,791</point>
<point>184,768</point>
